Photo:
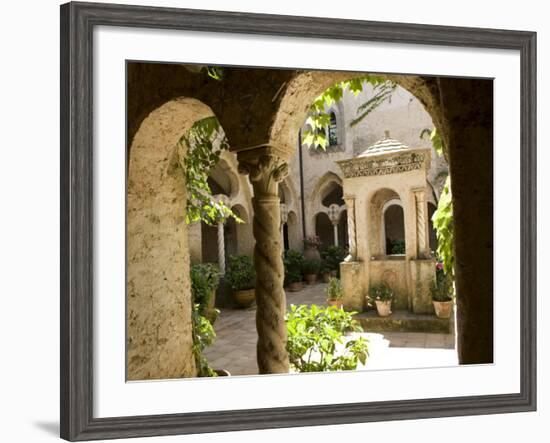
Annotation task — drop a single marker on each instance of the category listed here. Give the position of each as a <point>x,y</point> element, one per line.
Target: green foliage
<point>316,136</point>
<point>443,224</point>
<point>443,216</point>
<point>205,278</point>
<point>204,144</point>
<point>397,246</point>
<point>316,339</point>
<point>442,287</point>
<point>203,336</point>
<point>334,289</point>
<point>435,138</point>
<point>381,92</point>
<point>311,266</point>
<point>380,292</point>
<point>332,257</point>
<point>215,72</point>
<point>240,274</point>
<point>293,262</point>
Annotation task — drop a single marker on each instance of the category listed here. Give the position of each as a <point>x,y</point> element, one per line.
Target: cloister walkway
<point>235,347</point>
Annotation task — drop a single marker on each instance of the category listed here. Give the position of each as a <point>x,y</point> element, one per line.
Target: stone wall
<point>159,331</point>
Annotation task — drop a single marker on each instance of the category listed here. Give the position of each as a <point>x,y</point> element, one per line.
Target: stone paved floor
<point>235,346</point>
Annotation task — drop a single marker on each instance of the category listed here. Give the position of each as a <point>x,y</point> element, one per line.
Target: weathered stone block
<point>352,278</point>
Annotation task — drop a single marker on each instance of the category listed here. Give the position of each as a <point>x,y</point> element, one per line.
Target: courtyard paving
<point>235,345</point>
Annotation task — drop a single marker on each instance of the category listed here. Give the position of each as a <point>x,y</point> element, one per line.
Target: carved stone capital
<point>264,172</point>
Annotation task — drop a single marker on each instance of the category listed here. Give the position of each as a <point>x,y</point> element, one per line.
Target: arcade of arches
<point>283,193</point>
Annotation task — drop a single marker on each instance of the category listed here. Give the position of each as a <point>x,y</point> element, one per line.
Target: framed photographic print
<point>274,221</point>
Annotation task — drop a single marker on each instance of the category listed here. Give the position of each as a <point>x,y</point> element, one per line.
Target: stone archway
<point>159,330</point>
<point>466,128</point>
<point>262,125</point>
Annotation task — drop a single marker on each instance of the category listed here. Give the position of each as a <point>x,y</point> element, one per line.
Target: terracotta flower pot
<point>295,286</point>
<point>336,303</point>
<point>245,298</point>
<point>311,278</point>
<point>383,308</point>
<point>222,372</point>
<point>443,309</point>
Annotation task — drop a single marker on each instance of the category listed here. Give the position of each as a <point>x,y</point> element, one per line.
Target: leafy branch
<point>316,135</point>
<point>443,216</point>
<point>204,143</point>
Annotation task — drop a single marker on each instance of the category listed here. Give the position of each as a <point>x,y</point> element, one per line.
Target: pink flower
<point>439,266</point>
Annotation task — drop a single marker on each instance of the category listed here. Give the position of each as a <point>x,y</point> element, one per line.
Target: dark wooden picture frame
<point>77,23</point>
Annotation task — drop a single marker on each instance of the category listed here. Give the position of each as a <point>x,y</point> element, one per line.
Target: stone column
<point>334,216</point>
<point>221,248</point>
<point>421,224</point>
<point>265,171</point>
<point>350,205</point>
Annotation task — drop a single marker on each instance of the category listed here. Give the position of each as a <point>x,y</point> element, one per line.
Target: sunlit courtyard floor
<point>235,346</point>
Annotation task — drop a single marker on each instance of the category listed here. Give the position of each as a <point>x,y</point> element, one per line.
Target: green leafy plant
<point>311,266</point>
<point>332,256</point>
<point>397,246</point>
<point>293,261</point>
<point>442,220</point>
<point>203,336</point>
<point>334,289</point>
<point>203,144</point>
<point>215,72</point>
<point>205,278</point>
<point>317,339</point>
<point>442,286</point>
<point>315,137</point>
<point>240,273</point>
<point>380,292</point>
<point>435,138</point>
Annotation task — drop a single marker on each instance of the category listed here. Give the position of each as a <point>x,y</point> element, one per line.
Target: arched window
<point>332,130</point>
<point>394,230</point>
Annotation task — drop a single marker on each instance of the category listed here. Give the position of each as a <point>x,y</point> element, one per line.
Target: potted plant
<point>310,269</point>
<point>382,295</point>
<point>205,279</point>
<point>332,257</point>
<point>294,262</point>
<point>334,293</point>
<point>326,271</point>
<point>241,277</point>
<point>311,247</point>
<point>442,293</point>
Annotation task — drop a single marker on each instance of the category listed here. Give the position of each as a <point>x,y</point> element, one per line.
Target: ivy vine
<point>315,137</point>
<point>204,144</point>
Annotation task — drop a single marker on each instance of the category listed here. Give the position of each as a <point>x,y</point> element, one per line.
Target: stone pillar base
<point>351,274</point>
<point>422,276</point>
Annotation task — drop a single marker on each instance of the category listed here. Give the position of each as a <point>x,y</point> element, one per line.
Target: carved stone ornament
<point>363,167</point>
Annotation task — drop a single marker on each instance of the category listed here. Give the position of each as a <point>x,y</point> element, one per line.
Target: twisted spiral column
<point>350,205</point>
<point>265,175</point>
<point>221,248</point>
<point>421,223</point>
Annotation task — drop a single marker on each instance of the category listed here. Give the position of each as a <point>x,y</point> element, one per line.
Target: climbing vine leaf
<point>204,144</point>
<point>315,136</point>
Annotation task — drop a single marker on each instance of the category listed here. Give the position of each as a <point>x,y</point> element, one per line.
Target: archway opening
<point>324,229</point>
<point>333,194</point>
<point>394,230</point>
